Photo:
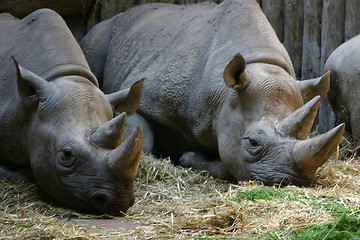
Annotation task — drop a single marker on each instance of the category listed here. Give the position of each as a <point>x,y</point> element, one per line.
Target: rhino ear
<point>235,75</point>
<point>28,83</point>
<point>127,100</point>
<point>312,87</point>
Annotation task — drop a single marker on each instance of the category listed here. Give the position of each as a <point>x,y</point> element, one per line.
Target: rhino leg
<point>200,162</point>
<point>20,174</point>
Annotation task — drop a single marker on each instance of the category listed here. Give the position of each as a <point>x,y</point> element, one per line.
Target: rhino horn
<point>124,160</point>
<point>235,75</point>
<point>127,100</point>
<point>312,153</point>
<point>299,123</point>
<point>110,135</point>
<point>28,82</point>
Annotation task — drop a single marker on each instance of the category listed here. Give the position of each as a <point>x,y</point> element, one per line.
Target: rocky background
<point>309,29</point>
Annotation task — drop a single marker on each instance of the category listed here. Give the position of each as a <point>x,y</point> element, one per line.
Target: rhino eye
<point>67,158</point>
<point>253,143</point>
<point>66,153</point>
<point>253,146</point>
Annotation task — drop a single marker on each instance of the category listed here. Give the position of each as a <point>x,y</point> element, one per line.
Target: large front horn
<point>312,153</point>
<point>110,135</point>
<point>124,160</point>
<point>299,123</point>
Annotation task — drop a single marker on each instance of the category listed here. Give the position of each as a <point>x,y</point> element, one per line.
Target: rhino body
<point>344,93</point>
<point>6,19</point>
<point>220,93</point>
<point>56,126</point>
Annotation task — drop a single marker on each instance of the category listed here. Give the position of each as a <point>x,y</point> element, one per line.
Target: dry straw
<point>177,203</point>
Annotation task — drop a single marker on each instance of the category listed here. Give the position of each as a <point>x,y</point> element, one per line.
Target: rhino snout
<point>106,202</point>
<point>101,200</point>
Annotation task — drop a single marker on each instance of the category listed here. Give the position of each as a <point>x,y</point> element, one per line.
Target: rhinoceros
<point>344,93</point>
<point>220,94</point>
<point>57,127</point>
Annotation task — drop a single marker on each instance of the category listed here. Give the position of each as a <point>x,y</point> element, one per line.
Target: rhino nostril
<point>101,200</point>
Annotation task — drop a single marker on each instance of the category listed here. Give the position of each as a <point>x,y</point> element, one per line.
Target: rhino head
<point>264,127</point>
<point>75,146</point>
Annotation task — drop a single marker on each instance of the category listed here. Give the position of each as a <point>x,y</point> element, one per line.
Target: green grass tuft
<point>268,193</point>
<point>346,227</point>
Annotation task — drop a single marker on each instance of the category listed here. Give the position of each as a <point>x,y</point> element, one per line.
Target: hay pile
<point>177,203</point>
<point>26,215</point>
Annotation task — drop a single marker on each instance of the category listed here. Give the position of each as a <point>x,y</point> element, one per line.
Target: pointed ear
<point>312,87</point>
<point>127,100</point>
<point>28,82</point>
<point>235,75</point>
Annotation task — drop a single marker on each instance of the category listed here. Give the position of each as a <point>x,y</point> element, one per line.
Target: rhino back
<point>146,36</point>
<point>42,43</point>
<point>182,51</point>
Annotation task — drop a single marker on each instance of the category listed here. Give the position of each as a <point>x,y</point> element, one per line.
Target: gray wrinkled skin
<point>344,93</point>
<point>50,106</point>
<point>6,19</point>
<point>187,111</point>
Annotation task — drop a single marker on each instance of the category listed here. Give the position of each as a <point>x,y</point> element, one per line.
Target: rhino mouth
<point>96,196</point>
<point>101,202</point>
<point>269,175</point>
